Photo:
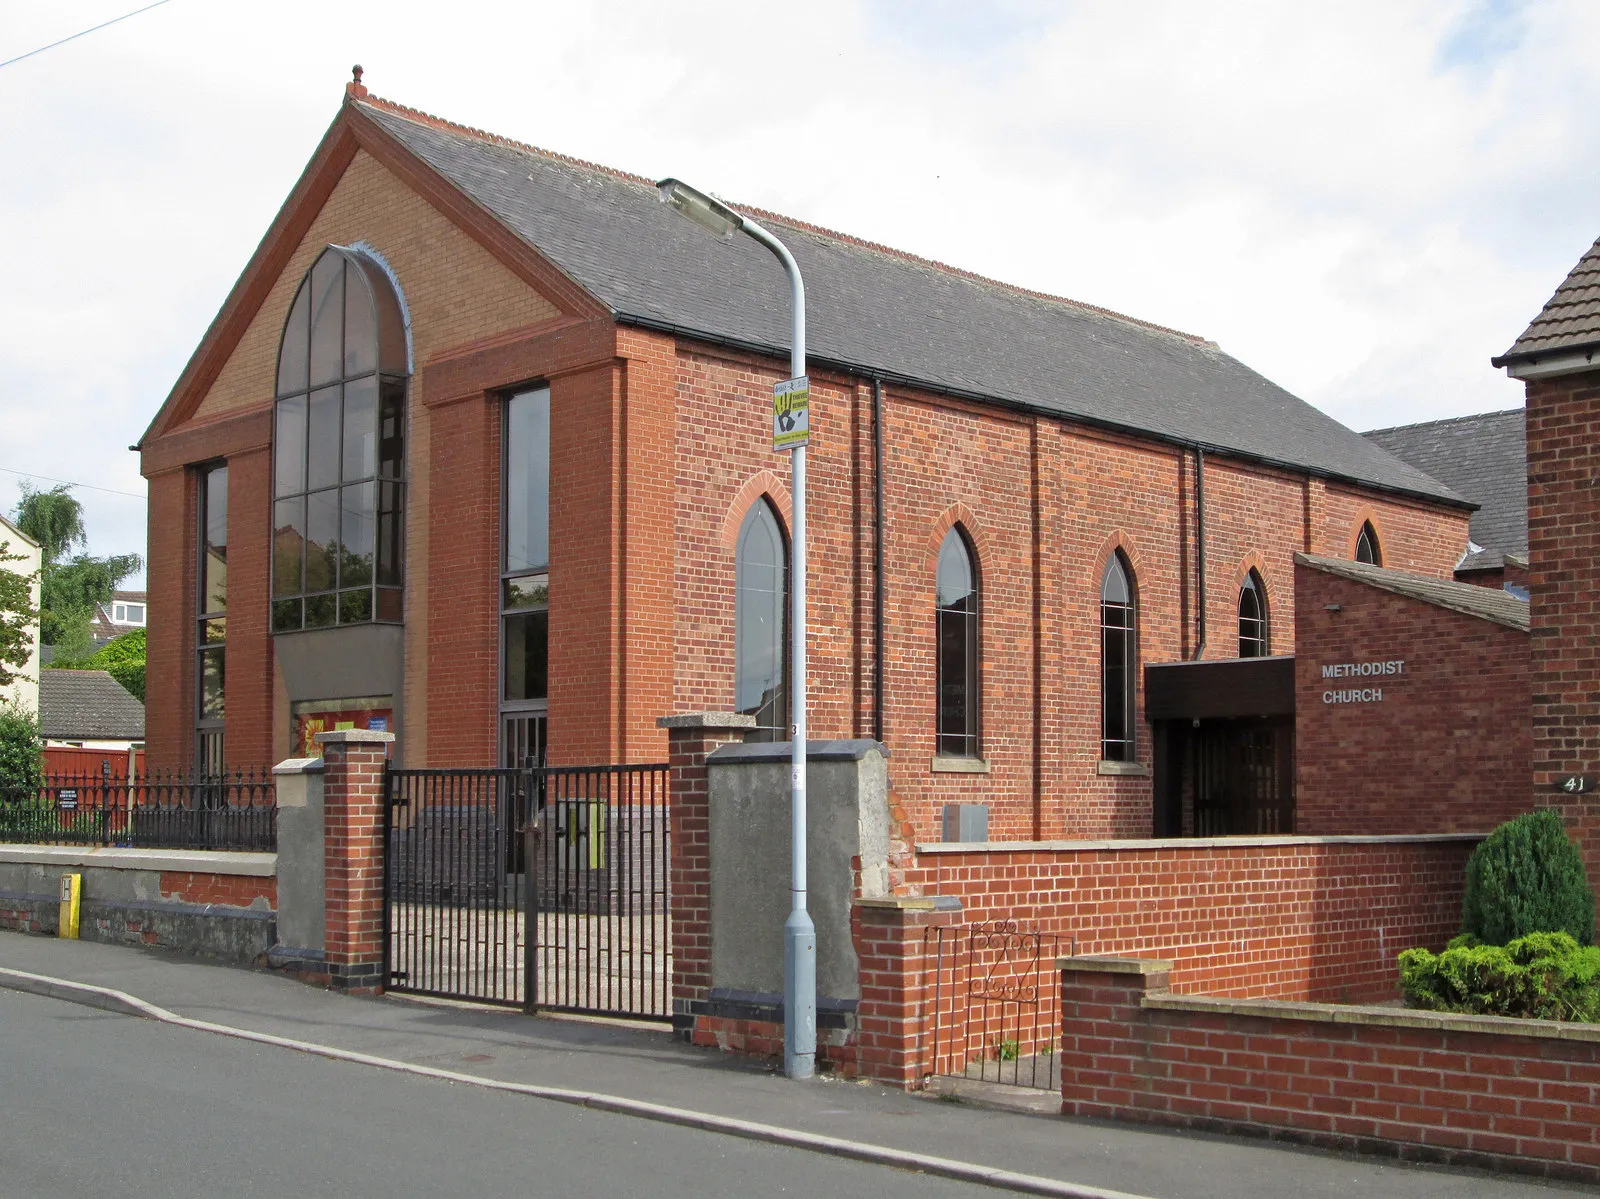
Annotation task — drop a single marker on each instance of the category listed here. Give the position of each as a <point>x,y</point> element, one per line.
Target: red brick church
<point>477,450</point>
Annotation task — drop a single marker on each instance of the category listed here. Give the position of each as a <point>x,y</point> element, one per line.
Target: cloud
<point>1362,201</point>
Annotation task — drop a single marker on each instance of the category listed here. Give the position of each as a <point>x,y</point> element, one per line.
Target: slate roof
<point>1485,459</point>
<point>876,311</point>
<point>84,705</point>
<point>1570,320</point>
<point>1486,603</point>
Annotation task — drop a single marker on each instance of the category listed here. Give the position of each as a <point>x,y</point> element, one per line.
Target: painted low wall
<point>1317,918</point>
<point>1488,1091</point>
<point>210,904</point>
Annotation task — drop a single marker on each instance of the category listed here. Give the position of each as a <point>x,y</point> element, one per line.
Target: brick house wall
<point>660,446</point>
<point>1564,577</point>
<point>1448,746</point>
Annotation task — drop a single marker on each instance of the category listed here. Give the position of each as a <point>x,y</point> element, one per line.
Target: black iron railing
<point>235,810</point>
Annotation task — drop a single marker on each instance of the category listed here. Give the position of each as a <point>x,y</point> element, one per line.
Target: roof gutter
<point>1566,360</point>
<point>893,377</point>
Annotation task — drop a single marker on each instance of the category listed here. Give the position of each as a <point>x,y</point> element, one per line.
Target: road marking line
<point>122,1003</point>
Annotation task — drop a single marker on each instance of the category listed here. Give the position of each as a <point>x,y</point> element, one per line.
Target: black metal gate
<point>996,1005</point>
<point>542,888</point>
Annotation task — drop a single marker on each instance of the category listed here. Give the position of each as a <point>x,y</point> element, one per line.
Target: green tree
<point>54,519</point>
<point>70,589</point>
<point>17,616</point>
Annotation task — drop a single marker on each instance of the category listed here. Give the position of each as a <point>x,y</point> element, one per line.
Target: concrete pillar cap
<point>343,736</point>
<point>706,720</point>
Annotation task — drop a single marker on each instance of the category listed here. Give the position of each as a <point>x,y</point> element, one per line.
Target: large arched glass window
<point>1118,652</point>
<point>339,447</point>
<point>1367,545</point>
<point>1253,639</point>
<point>761,661</point>
<point>956,617</point>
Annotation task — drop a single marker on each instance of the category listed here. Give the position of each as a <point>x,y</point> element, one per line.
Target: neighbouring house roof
<point>1486,603</point>
<point>1570,319</point>
<point>1485,459</point>
<point>82,705</point>
<point>880,312</point>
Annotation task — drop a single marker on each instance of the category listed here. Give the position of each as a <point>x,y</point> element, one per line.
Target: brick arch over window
<point>956,514</point>
<point>1364,518</point>
<point>761,485</point>
<point>1117,542</point>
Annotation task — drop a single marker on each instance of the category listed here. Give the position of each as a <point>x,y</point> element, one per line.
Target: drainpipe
<point>1200,547</point>
<point>877,560</point>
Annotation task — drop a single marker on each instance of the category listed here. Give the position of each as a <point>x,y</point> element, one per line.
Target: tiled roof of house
<point>877,311</point>
<point>1486,603</point>
<point>1483,458</point>
<point>82,705</point>
<point>1570,320</point>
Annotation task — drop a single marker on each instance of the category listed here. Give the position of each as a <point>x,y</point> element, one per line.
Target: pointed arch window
<point>1254,641</point>
<point>1118,660</point>
<point>956,619</point>
<point>1367,545</point>
<point>339,448</point>
<point>761,588</point>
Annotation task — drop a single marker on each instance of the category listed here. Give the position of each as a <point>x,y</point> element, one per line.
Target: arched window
<point>339,447</point>
<point>1118,656</point>
<point>1367,545</point>
<point>956,620</point>
<point>1253,639</point>
<point>761,660</point>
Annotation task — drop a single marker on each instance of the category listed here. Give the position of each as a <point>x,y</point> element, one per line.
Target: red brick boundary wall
<point>1252,917</point>
<point>353,819</point>
<point>1520,1095</point>
<point>690,740</point>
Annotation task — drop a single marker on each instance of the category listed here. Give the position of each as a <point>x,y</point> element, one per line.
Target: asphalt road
<point>105,1105</point>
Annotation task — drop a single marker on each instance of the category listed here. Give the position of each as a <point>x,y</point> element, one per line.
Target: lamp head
<point>700,208</point>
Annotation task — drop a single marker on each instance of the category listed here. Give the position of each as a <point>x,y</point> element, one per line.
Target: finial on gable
<point>354,88</point>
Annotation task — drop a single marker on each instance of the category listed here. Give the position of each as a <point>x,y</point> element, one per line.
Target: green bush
<point>1543,976</point>
<point>21,750</point>
<point>122,658</point>
<point>1527,877</point>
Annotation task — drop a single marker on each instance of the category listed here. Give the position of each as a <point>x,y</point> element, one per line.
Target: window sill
<point>958,766</point>
<point>1129,769</point>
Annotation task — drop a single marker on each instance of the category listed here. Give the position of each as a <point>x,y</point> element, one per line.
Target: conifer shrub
<point>1542,976</point>
<point>1527,877</point>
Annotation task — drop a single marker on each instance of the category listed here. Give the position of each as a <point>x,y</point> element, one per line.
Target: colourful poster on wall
<point>323,717</point>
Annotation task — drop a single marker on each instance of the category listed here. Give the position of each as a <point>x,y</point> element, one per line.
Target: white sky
<point>1362,201</point>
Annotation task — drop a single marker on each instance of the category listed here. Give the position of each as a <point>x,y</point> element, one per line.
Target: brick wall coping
<point>781,751</point>
<point>906,903</point>
<point>1115,965</point>
<point>706,720</point>
<point>342,736</point>
<point>188,861</point>
<point>1376,1016</point>
<point>974,847</point>
<point>299,766</point>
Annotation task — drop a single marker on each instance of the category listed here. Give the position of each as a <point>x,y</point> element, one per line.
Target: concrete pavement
<point>645,1064</point>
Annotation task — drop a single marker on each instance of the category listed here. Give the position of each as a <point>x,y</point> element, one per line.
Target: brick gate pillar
<point>690,740</point>
<point>352,822</point>
<point>895,1016</point>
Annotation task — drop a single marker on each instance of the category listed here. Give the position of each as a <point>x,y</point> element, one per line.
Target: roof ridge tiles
<point>1446,420</point>
<point>448,126</point>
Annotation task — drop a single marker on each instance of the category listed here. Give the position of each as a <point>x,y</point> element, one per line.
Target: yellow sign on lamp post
<point>791,414</point>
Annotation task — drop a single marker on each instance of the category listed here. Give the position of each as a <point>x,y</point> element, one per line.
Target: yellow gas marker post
<point>71,892</point>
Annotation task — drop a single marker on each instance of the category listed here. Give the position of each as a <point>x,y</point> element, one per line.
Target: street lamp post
<point>799,933</point>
